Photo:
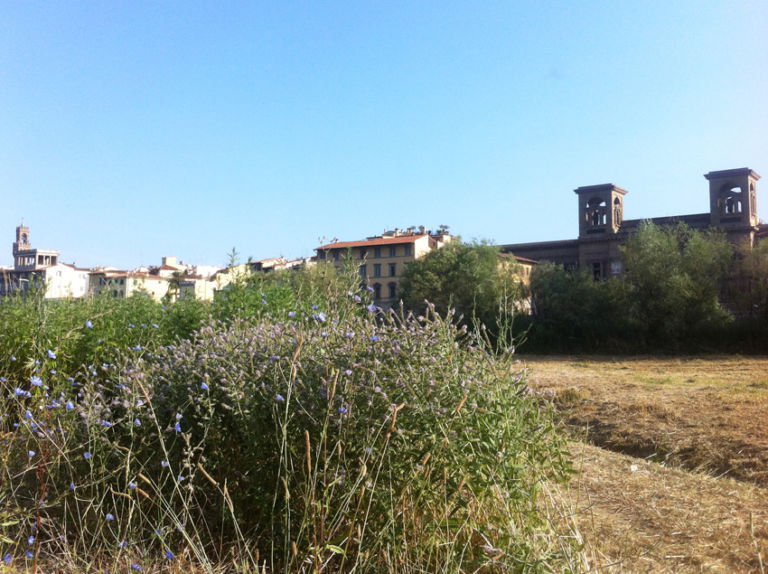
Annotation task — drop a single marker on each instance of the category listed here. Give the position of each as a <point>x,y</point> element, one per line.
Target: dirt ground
<point>671,459</point>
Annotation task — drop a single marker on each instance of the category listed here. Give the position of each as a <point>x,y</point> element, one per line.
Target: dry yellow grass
<point>640,516</point>
<point>698,414</point>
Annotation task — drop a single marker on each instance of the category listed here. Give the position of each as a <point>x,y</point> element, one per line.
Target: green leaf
<point>335,549</point>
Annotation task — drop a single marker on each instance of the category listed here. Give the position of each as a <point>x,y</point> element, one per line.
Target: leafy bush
<point>329,438</point>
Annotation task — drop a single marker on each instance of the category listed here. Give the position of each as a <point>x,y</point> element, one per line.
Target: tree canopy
<point>472,278</point>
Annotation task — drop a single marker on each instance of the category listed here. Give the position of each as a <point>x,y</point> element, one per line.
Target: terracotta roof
<point>372,242</point>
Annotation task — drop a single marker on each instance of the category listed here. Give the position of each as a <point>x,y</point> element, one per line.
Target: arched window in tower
<point>596,212</point>
<point>616,211</point>
<point>730,200</point>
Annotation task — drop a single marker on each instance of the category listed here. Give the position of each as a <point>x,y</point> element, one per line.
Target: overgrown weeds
<point>292,426</point>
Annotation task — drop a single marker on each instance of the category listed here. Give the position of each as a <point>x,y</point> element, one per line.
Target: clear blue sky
<point>132,130</point>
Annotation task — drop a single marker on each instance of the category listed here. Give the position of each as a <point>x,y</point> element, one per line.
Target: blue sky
<point>133,130</point>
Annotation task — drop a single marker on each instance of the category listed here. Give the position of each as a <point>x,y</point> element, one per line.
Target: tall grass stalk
<point>291,426</point>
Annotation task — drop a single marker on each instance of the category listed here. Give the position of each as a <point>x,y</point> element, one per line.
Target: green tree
<point>472,278</point>
<point>572,311</point>
<point>675,275</point>
<point>748,287</point>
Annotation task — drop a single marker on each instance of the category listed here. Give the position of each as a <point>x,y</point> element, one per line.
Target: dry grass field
<point>671,458</point>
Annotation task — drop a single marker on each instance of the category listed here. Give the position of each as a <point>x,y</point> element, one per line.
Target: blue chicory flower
<point>51,354</point>
<point>109,517</point>
<point>88,324</point>
<point>36,381</point>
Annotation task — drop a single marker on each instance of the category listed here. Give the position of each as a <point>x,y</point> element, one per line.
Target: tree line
<point>680,290</point>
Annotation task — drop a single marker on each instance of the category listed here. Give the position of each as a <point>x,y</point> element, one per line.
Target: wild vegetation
<point>288,426</point>
<point>470,279</point>
<point>681,290</point>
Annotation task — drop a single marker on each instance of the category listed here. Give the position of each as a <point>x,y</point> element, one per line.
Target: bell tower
<point>22,239</point>
<point>733,199</point>
<point>601,209</point>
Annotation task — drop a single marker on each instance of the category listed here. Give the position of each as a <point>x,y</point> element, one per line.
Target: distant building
<point>603,229</point>
<point>123,284</point>
<point>381,260</point>
<point>41,268</point>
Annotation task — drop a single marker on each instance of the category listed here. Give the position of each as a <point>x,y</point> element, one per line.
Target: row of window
<point>363,270</point>
<point>337,254</point>
<point>392,251</point>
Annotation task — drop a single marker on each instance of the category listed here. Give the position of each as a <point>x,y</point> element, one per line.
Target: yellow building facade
<point>381,260</point>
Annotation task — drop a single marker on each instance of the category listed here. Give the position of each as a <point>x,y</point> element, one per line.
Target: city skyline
<point>134,131</point>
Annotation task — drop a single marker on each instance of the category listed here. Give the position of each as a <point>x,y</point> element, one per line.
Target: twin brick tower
<point>602,227</point>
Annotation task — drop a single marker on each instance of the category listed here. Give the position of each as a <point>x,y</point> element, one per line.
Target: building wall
<point>603,229</point>
<point>381,261</point>
<point>64,281</point>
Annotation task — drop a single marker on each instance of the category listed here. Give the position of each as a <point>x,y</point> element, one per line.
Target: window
<point>407,250</point>
<point>377,269</point>
<point>392,290</point>
<point>597,271</point>
<point>362,271</point>
<point>615,267</point>
<point>377,290</point>
<point>363,252</point>
<point>376,252</point>
<point>393,251</point>
<point>335,254</point>
<point>393,269</point>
